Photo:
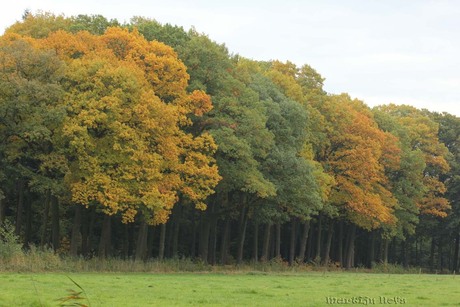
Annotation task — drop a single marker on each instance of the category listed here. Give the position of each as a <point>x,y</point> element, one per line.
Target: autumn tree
<point>423,136</point>
<point>31,117</point>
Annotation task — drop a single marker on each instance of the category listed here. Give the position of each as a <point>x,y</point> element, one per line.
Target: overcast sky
<point>400,51</point>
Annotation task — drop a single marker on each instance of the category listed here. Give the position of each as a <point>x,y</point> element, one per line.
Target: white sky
<point>400,51</point>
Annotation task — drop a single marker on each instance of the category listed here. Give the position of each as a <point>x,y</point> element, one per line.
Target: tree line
<point>143,140</point>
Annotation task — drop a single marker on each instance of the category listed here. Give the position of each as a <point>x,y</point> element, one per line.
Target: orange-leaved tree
<point>127,109</point>
<point>356,156</point>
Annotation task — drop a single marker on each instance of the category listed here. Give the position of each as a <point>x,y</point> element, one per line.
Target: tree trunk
<point>318,240</point>
<point>385,250</point>
<point>76,235</point>
<point>309,253</point>
<point>91,234</point>
<point>266,242</point>
<point>456,252</point>
<point>404,253</point>
<point>340,242</point>
<point>176,229</point>
<point>278,241</point>
<point>106,237</point>
<point>125,242</point>
<point>150,241</point>
<point>28,223</point>
<point>89,247</point>
<point>292,241</point>
<point>193,244</point>
<point>272,245</point>
<point>255,248</point>
<point>328,243</point>
<point>204,237</point>
<point>303,241</point>
<point>161,249</point>
<point>20,207</point>
<point>371,258</point>
<point>213,241</point>
<point>169,234</point>
<point>393,250</point>
<point>212,234</point>
<point>440,255</point>
<point>85,232</point>
<point>351,246</point>
<point>141,245</point>
<point>224,244</point>
<point>242,234</point>
<point>55,228</point>
<point>433,245</point>
<point>2,211</point>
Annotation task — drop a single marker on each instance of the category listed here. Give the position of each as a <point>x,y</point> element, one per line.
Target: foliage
<point>108,130</point>
<point>9,242</point>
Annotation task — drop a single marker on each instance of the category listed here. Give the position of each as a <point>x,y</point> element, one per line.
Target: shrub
<point>9,242</point>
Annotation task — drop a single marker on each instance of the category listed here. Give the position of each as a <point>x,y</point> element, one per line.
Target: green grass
<point>237,289</point>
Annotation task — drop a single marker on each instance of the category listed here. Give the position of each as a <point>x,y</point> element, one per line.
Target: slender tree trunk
<point>456,252</point>
<point>255,248</point>
<point>91,234</point>
<point>92,222</point>
<point>303,241</point>
<point>141,245</point>
<point>161,249</point>
<point>440,254</point>
<point>204,237</point>
<point>385,250</point>
<point>20,207</point>
<point>55,227</point>
<point>242,233</point>
<point>278,241</point>
<point>393,250</point>
<point>433,246</point>
<point>176,229</point>
<point>85,232</point>
<point>371,249</point>
<point>169,234</point>
<point>213,241</point>
<point>28,223</point>
<point>106,237</point>
<point>76,235</point>
<point>351,246</point>
<point>319,239</point>
<point>193,244</point>
<point>125,242</point>
<point>266,242</point>
<point>309,253</point>
<point>2,211</point>
<point>150,241</point>
<point>292,241</point>
<point>328,243</point>
<point>224,243</point>
<point>340,243</point>
<point>405,253</point>
<point>272,249</point>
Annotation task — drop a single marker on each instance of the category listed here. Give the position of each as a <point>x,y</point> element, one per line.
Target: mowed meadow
<point>230,289</point>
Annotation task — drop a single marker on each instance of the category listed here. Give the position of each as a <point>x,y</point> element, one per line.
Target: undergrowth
<point>14,259</point>
<point>36,260</point>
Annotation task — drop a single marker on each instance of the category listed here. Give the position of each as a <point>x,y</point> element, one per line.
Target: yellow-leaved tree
<point>127,110</point>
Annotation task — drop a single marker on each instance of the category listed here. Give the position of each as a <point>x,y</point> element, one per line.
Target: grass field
<point>248,289</point>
